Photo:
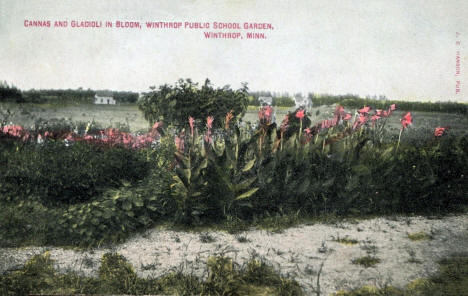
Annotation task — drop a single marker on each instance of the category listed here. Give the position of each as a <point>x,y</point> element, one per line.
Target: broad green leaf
<point>249,165</point>
<point>127,205</point>
<point>247,194</point>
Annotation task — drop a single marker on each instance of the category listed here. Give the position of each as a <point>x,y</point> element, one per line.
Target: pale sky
<point>399,48</point>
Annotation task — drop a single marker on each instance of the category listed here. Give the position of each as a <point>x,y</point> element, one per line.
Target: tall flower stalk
<point>405,122</point>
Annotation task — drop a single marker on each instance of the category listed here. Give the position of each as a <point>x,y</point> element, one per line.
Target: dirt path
<point>298,252</point>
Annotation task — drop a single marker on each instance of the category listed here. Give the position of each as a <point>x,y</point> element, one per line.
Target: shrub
<point>174,104</point>
<point>59,173</point>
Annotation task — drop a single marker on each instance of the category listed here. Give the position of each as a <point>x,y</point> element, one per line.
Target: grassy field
<point>123,115</point>
<point>106,116</point>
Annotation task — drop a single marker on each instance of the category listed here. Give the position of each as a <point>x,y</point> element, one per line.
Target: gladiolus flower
<point>13,130</point>
<point>406,120</point>
<point>378,112</point>
<point>300,114</point>
<point>347,117</point>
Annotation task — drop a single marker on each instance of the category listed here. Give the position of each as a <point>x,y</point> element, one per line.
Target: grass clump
<point>452,280</point>
<point>366,261</point>
<point>117,276</point>
<point>417,236</point>
<point>345,240</point>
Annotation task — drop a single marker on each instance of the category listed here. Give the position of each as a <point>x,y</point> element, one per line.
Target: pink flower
<point>265,114</point>
<point>339,110</point>
<point>392,107</point>
<point>300,114</point>
<point>347,116</point>
<point>440,131</point>
<point>364,110</point>
<point>375,117</point>
<point>13,130</point>
<point>209,122</point>
<point>191,123</point>
<point>378,112</point>
<point>406,120</point>
<point>360,120</point>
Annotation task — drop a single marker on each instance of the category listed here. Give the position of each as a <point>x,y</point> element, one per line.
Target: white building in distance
<point>265,101</point>
<point>103,100</point>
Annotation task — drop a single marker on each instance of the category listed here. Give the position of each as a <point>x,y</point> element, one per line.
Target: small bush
<point>366,261</point>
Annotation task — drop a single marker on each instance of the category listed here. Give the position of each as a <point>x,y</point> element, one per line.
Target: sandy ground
<point>301,252</point>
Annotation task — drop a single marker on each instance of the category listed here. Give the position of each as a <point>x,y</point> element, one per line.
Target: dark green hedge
<point>55,172</point>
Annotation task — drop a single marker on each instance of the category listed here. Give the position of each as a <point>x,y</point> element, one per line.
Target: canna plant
<point>211,176</point>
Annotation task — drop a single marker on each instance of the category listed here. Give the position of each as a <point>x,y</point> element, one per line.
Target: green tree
<point>174,104</point>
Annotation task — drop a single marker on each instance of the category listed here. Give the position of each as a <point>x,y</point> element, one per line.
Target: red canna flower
<point>375,117</point>
<point>364,110</point>
<point>339,111</point>
<point>209,122</point>
<point>191,123</point>
<point>362,119</point>
<point>440,131</point>
<point>347,117</point>
<point>300,114</point>
<point>406,120</point>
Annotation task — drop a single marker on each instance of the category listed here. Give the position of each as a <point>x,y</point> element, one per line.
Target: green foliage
<point>351,101</point>
<point>9,93</point>
<point>452,280</point>
<point>366,261</point>
<point>210,180</point>
<point>106,218</point>
<point>417,236</point>
<point>68,174</point>
<point>116,275</point>
<point>174,104</point>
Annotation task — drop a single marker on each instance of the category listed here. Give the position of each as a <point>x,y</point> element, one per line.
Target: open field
<point>122,115</point>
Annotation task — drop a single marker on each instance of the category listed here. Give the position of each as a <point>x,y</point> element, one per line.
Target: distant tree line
<point>78,96</point>
<point>354,101</point>
<point>8,92</point>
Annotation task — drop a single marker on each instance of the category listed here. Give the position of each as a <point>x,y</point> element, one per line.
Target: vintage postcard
<point>244,147</point>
